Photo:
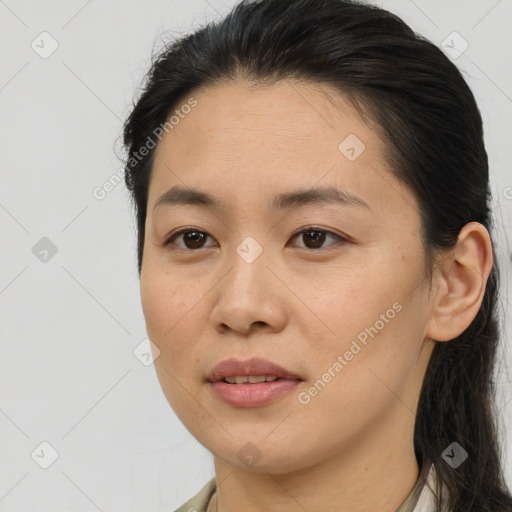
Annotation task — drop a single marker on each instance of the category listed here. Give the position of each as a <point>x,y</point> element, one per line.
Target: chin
<point>257,454</point>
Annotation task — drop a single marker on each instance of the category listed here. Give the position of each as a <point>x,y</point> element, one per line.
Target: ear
<point>460,283</point>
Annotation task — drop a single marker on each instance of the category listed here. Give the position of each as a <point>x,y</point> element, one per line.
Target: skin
<point>350,448</point>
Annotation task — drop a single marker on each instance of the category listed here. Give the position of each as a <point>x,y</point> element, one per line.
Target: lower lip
<point>253,395</point>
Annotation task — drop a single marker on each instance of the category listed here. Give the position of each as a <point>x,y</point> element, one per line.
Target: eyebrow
<point>178,195</point>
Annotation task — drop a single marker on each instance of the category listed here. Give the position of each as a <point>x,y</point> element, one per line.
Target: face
<point>331,290</point>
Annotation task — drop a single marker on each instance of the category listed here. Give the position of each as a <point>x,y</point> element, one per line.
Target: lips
<point>255,366</point>
<point>252,394</point>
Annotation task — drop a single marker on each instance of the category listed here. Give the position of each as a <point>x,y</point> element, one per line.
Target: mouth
<point>252,383</point>
<point>255,370</point>
<point>250,379</point>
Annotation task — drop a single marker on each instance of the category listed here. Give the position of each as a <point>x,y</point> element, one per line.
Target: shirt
<point>420,499</point>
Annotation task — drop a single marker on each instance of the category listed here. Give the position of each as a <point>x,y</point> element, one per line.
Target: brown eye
<point>314,238</point>
<point>192,239</point>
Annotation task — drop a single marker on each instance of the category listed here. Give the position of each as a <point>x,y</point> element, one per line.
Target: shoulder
<point>199,502</point>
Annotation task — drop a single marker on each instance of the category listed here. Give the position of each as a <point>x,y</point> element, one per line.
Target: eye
<point>312,237</point>
<point>192,238</point>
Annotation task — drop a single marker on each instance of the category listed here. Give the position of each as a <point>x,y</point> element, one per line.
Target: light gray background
<point>69,326</point>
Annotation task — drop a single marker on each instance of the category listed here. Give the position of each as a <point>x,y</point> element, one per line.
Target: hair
<point>432,128</point>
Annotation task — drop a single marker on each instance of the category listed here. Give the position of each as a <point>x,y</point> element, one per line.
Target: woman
<point>316,267</point>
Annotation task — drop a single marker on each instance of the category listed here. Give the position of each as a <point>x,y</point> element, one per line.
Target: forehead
<point>289,113</point>
<point>244,140</point>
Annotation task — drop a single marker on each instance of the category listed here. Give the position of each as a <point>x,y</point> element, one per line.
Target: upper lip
<point>255,366</point>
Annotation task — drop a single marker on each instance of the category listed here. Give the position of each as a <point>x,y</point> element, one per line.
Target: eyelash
<point>169,241</point>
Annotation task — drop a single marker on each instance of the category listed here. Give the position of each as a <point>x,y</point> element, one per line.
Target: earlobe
<point>462,279</point>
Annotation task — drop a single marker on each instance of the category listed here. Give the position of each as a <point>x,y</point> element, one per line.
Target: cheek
<point>355,384</point>
<point>376,323</point>
<point>155,300</point>
<point>161,315</point>
<point>352,301</point>
<point>171,309</point>
<point>165,301</point>
<point>167,312</point>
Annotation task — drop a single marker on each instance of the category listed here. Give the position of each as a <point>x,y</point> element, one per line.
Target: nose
<point>250,297</point>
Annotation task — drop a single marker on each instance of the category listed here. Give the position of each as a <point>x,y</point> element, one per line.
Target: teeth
<point>251,379</point>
